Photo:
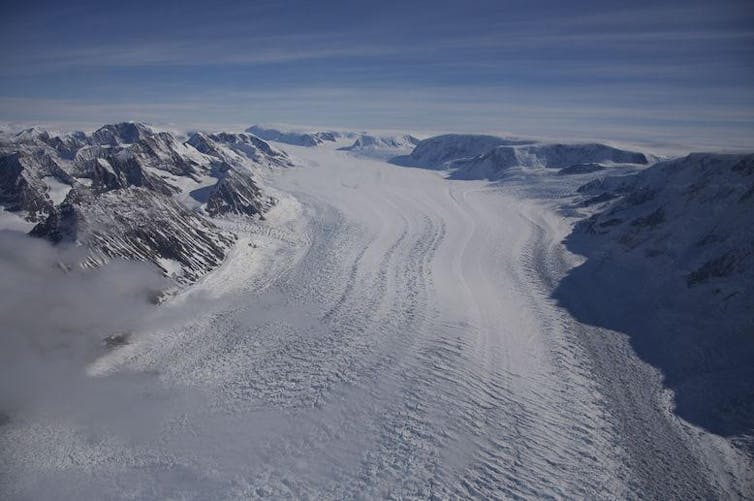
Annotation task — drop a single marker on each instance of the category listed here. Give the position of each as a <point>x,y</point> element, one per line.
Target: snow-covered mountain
<point>293,137</point>
<point>670,261</point>
<point>489,157</point>
<point>569,158</point>
<point>128,190</point>
<point>243,146</point>
<point>383,147</point>
<point>140,224</point>
<point>439,151</point>
<point>28,182</point>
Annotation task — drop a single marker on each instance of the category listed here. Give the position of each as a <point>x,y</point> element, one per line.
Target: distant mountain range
<point>292,137</point>
<point>468,156</point>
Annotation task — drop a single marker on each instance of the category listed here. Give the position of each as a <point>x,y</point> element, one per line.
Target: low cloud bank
<point>54,317</point>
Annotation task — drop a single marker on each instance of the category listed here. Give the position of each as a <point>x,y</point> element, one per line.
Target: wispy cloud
<point>517,66</point>
<point>41,61</point>
<point>649,112</point>
<point>277,50</point>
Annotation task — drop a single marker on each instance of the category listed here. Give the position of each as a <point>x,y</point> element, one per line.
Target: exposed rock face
<point>122,133</point>
<point>112,172</point>
<point>232,148</point>
<point>140,224</point>
<point>237,193</point>
<point>20,190</point>
<point>22,182</point>
<point>123,191</point>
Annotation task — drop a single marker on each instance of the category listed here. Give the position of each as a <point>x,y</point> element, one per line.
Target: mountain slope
<point>294,138</point>
<point>384,147</point>
<point>567,157</point>
<point>468,156</point>
<point>26,183</point>
<point>242,146</point>
<point>130,191</point>
<point>137,223</point>
<point>437,152</point>
<point>670,261</point>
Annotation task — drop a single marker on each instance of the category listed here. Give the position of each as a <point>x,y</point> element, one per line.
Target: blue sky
<point>666,71</point>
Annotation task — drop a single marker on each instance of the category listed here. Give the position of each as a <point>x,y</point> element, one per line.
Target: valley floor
<point>388,333</point>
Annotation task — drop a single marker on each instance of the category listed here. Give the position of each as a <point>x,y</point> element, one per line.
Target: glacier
<point>371,315</point>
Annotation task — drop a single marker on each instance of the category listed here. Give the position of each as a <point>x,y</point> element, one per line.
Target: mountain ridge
<point>166,191</point>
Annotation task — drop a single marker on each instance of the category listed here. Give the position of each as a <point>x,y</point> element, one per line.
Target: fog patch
<point>55,317</point>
